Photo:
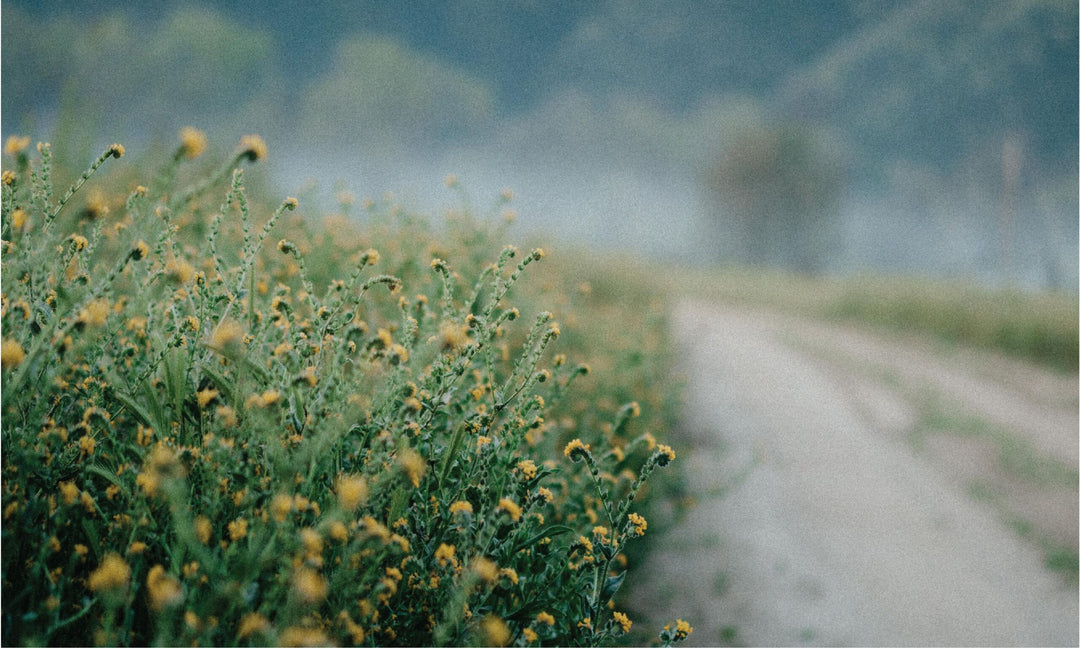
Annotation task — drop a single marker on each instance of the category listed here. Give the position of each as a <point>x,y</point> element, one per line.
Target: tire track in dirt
<point>844,533</point>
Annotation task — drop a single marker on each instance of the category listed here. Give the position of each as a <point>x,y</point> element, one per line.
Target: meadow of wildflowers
<point>230,424</point>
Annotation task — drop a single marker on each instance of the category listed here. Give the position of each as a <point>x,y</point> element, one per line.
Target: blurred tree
<point>383,94</point>
<point>777,190</point>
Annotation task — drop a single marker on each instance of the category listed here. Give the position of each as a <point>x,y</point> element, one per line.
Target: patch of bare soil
<point>903,492</point>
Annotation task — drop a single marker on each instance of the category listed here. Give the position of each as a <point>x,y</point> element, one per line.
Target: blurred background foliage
<point>613,119</point>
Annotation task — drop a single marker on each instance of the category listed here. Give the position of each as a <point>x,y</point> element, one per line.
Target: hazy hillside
<point>603,115</point>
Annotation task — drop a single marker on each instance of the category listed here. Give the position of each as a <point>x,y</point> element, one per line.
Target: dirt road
<point>893,492</point>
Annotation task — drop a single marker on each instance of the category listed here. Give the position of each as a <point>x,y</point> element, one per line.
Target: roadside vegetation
<point>1039,327</point>
<point>232,423</point>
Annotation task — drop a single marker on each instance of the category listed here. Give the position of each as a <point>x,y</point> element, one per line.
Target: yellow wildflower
<point>11,354</point>
<point>623,621</point>
<point>527,468</point>
<point>95,313</point>
<point>510,573</point>
<point>496,631</point>
<point>112,574</point>
<point>309,585</point>
<point>544,617</point>
<point>665,455</point>
<point>15,144</point>
<point>338,531</point>
<point>452,336</point>
<point>140,250</point>
<point>115,150</point>
<point>312,541</point>
<point>228,333</point>
<point>511,508</point>
<point>461,506</point>
<point>639,523</point>
<point>203,529</point>
<point>576,450</point>
<point>238,528</point>
<point>299,636</point>
<point>252,623</point>
<point>69,492</point>
<point>280,507</point>
<point>252,147</point>
<point>352,491</point>
<point>205,396</point>
<point>485,568</point>
<point>413,464</point>
<point>445,555</point>
<point>162,589</point>
<point>192,142</point>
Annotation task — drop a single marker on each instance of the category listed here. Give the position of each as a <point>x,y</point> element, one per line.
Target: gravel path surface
<point>879,507</point>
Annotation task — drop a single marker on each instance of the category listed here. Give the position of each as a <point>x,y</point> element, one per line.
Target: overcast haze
<point>606,118</point>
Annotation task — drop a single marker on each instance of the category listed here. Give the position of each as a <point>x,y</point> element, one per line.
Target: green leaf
<point>611,585</point>
<point>550,532</point>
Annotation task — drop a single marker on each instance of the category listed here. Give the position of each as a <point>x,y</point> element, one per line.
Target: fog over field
<point>927,137</point>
